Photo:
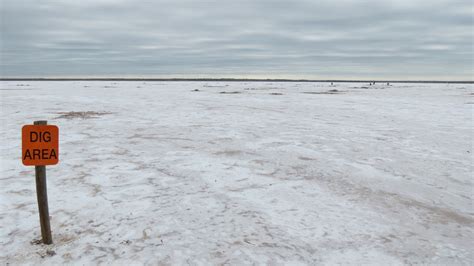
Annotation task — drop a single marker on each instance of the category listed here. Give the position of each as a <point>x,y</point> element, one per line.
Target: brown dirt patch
<point>81,115</point>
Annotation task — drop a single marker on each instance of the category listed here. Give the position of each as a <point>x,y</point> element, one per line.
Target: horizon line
<point>235,80</point>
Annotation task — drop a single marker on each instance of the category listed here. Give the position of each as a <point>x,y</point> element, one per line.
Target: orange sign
<point>40,145</point>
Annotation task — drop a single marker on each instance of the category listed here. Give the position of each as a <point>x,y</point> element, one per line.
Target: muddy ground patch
<point>81,115</point>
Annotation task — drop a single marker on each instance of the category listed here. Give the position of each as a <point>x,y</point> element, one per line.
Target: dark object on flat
<point>230,92</point>
<point>323,92</point>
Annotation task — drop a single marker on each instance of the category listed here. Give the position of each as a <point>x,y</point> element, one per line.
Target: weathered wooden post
<point>42,195</point>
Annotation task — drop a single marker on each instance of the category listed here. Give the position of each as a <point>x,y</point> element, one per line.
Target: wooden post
<point>42,195</point>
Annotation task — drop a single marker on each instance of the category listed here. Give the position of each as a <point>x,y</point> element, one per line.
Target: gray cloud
<point>252,38</point>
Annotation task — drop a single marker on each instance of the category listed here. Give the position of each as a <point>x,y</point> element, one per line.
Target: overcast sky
<point>372,39</point>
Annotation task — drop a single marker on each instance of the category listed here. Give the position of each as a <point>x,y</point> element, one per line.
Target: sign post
<point>40,147</point>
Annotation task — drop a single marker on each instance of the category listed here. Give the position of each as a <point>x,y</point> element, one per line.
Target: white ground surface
<point>367,176</point>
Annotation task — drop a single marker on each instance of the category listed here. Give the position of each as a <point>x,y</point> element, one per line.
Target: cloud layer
<point>246,38</point>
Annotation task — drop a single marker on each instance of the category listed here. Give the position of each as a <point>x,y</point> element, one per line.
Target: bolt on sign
<point>40,144</point>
